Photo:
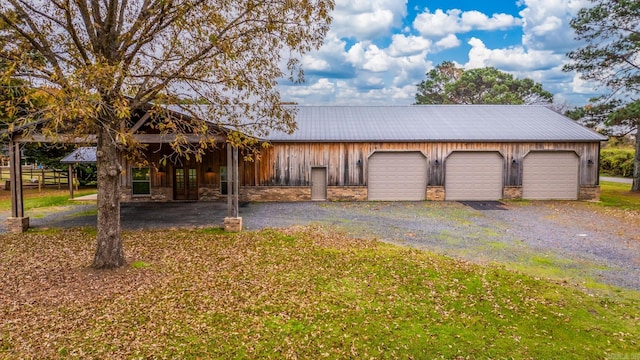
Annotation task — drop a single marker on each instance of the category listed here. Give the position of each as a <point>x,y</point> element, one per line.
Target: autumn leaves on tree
<point>100,61</point>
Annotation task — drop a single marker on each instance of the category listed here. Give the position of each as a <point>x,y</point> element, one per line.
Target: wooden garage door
<point>550,175</point>
<point>397,176</point>
<point>473,176</point>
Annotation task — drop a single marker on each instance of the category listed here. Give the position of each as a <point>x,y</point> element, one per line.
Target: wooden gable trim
<point>140,122</point>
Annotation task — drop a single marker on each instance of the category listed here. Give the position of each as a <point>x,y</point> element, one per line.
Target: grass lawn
<point>296,293</point>
<point>618,195</point>
<point>38,199</point>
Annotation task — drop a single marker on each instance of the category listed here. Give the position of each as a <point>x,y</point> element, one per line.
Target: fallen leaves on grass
<point>301,292</point>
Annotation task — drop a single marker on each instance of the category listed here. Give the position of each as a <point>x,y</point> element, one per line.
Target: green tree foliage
<point>616,162</point>
<point>610,57</point>
<point>101,61</point>
<point>449,84</point>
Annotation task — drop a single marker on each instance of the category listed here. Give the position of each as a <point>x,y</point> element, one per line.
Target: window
<point>224,180</point>
<point>141,181</point>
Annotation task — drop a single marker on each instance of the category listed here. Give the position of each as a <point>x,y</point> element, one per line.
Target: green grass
<point>308,293</point>
<point>44,199</point>
<point>618,195</point>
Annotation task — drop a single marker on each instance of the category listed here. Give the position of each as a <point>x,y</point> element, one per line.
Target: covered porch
<point>163,177</point>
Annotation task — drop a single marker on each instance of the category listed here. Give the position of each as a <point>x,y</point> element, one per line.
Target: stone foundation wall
<point>334,193</point>
<point>512,192</point>
<point>210,194</point>
<point>275,193</point>
<point>591,193</point>
<point>435,193</point>
<point>301,193</point>
<point>158,194</point>
<point>347,193</point>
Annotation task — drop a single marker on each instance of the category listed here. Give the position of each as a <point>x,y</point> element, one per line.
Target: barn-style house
<point>448,152</point>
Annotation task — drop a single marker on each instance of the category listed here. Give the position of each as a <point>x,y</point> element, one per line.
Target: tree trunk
<point>636,161</point>
<point>109,253</point>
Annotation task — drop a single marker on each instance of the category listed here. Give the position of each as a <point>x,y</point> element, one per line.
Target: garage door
<point>397,176</point>
<point>473,176</point>
<point>550,175</point>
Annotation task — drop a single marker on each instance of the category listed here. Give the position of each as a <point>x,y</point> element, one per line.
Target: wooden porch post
<point>17,223</point>
<point>236,182</point>
<point>229,181</point>
<point>232,222</point>
<point>70,177</point>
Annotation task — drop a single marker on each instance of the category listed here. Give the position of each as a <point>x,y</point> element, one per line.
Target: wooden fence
<point>35,177</point>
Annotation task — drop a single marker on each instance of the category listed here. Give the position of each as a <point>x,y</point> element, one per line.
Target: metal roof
<point>81,155</point>
<point>500,123</point>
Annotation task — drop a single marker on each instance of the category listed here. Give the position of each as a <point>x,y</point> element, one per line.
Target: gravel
<point>574,241</point>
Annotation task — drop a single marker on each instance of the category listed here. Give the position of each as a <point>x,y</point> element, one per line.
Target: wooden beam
<point>15,177</point>
<point>70,176</point>
<point>140,122</point>
<point>235,181</point>
<point>168,138</point>
<point>229,183</point>
<point>39,138</point>
<point>142,138</point>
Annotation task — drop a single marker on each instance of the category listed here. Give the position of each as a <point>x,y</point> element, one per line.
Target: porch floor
<point>137,216</point>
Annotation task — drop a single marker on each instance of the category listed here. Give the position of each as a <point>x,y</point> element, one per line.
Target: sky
<point>377,51</point>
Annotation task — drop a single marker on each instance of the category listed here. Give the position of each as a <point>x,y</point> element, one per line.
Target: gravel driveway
<point>574,241</point>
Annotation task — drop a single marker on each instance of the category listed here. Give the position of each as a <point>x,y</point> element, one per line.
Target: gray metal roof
<point>500,123</point>
<point>81,155</point>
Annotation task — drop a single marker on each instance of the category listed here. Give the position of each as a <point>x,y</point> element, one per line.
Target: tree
<point>448,84</point>
<point>100,61</point>
<point>610,57</point>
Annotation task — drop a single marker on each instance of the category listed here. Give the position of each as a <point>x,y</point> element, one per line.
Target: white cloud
<point>546,23</point>
<point>369,57</point>
<point>402,45</point>
<point>511,59</point>
<point>363,62</point>
<point>448,42</point>
<point>455,21</point>
<point>581,86</point>
<point>331,60</point>
<point>365,20</point>
<point>314,64</point>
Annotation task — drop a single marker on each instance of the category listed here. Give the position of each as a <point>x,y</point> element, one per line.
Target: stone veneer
<point>301,193</point>
<point>512,192</point>
<point>161,194</point>
<point>347,193</point>
<point>233,224</point>
<point>435,193</point>
<point>334,193</point>
<point>17,224</point>
<point>591,193</point>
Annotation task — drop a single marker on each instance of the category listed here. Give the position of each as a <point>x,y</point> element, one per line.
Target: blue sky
<point>378,50</point>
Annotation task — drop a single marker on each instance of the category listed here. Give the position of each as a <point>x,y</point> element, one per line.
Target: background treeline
<point>617,161</point>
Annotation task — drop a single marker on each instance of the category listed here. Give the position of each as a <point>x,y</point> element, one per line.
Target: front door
<point>185,184</point>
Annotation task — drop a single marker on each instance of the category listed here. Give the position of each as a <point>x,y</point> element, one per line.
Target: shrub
<point>617,162</point>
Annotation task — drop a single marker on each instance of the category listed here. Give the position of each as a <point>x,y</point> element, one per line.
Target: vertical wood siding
<point>289,164</point>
